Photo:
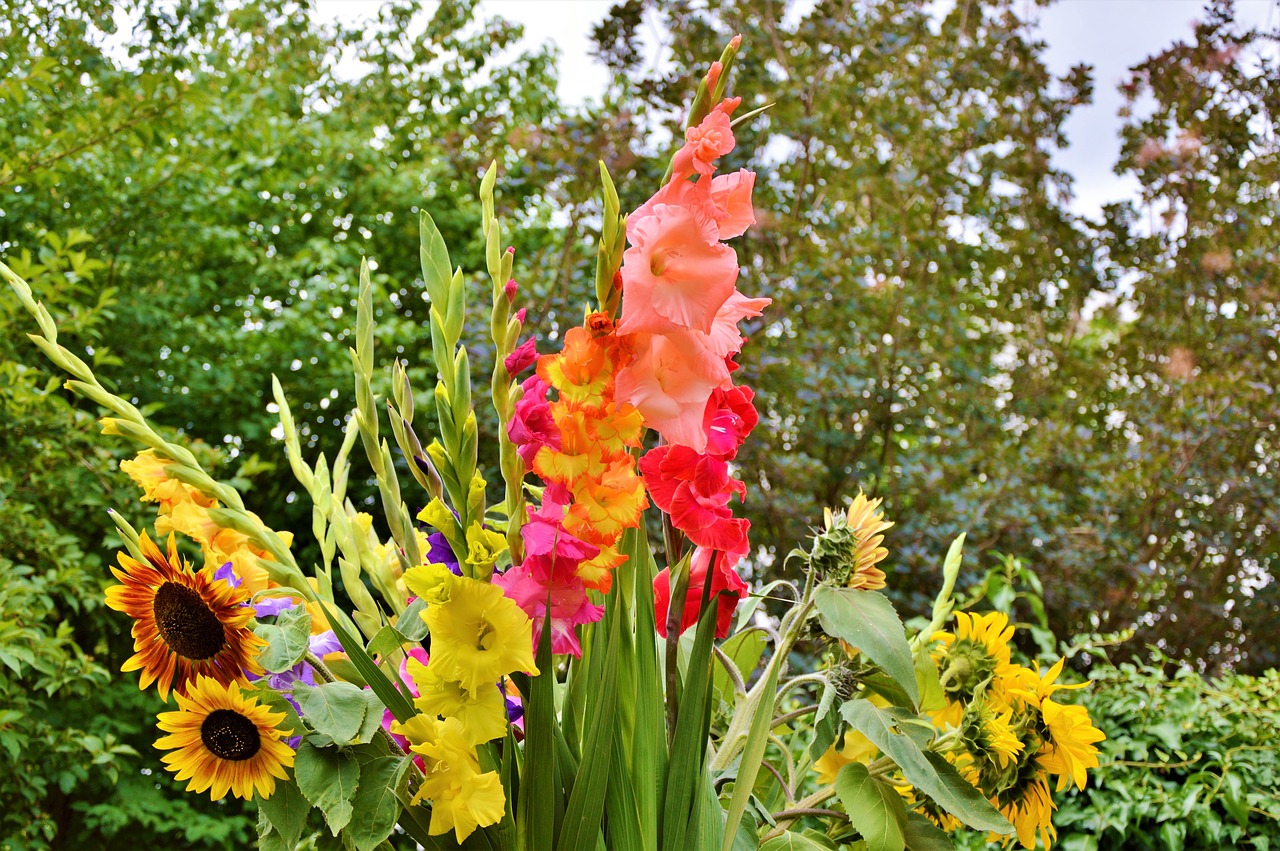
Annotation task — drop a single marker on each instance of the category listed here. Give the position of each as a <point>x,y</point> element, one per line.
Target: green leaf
<point>372,717</point>
<point>335,710</point>
<point>328,778</point>
<point>927,771</point>
<point>410,623</point>
<point>688,746</point>
<point>752,757</point>
<point>581,826</point>
<point>286,811</point>
<point>791,842</point>
<point>537,806</point>
<point>390,696</point>
<point>923,835</point>
<point>867,620</point>
<point>286,639</point>
<point>744,649</point>
<point>376,805</point>
<point>874,807</point>
<point>931,695</point>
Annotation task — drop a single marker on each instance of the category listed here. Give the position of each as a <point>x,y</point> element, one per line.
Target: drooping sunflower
<point>866,519</point>
<point>186,624</point>
<point>223,741</point>
<point>976,656</point>
<point>1029,808</point>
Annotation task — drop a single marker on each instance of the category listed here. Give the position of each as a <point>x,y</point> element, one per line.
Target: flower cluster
<point>185,510</point>
<point>478,637</point>
<point>681,309</point>
<point>579,445</point>
<point>1008,736</point>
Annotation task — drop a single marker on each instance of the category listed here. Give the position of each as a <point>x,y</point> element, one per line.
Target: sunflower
<point>866,519</point>
<point>976,655</point>
<point>1029,808</point>
<point>186,624</point>
<point>222,740</point>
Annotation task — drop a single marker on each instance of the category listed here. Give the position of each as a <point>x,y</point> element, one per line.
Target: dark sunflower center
<point>186,623</point>
<point>229,735</point>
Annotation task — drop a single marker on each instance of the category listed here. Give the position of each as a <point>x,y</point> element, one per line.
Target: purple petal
<point>269,607</point>
<point>227,574</point>
<point>324,643</point>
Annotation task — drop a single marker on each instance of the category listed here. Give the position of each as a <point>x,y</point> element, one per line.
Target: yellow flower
<point>483,547</point>
<point>992,734</point>
<point>975,655</point>
<point>867,522</point>
<point>148,470</point>
<point>185,624</point>
<point>479,635</point>
<point>483,716</point>
<point>856,748</point>
<point>1070,749</point>
<point>1029,808</point>
<point>429,581</point>
<point>224,741</point>
<point>462,798</point>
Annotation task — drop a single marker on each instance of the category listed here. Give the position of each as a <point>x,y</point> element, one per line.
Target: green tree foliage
<point>945,334</point>
<point>191,196</point>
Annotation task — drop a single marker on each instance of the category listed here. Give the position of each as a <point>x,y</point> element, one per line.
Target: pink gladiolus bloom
<point>416,653</point>
<point>724,582</point>
<point>729,418</point>
<point>731,195</point>
<point>523,357</point>
<point>510,289</point>
<point>677,274</point>
<point>707,142</point>
<point>533,427</point>
<point>669,381</point>
<point>549,571</point>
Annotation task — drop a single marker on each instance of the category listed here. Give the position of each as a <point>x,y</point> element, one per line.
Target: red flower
<point>724,582</point>
<point>695,490</point>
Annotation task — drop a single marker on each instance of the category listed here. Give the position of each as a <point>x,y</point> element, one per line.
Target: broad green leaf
<point>928,772</point>
<point>286,640</point>
<point>390,696</point>
<point>923,835</point>
<point>373,715</point>
<point>867,620</point>
<point>930,686</point>
<point>375,802</point>
<point>791,842</point>
<point>335,709</point>
<point>286,811</point>
<point>328,778</point>
<point>875,808</point>
<point>410,623</point>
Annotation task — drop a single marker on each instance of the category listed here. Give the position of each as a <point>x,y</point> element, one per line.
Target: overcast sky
<point>1110,35</point>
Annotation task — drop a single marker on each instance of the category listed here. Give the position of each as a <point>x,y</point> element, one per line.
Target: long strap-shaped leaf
<point>649,743</point>
<point>586,802</point>
<point>535,818</point>
<point>391,697</point>
<point>689,746</point>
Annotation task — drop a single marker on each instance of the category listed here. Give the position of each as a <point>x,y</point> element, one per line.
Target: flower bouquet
<point>521,674</point>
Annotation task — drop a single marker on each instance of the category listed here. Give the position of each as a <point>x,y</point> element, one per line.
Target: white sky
<point>1110,35</point>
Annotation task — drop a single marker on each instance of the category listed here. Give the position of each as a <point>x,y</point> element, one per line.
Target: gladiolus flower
<point>524,356</point>
<point>724,582</point>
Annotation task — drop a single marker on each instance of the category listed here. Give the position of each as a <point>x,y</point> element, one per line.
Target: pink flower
<point>704,144</point>
<point>724,339</point>
<point>669,381</point>
<point>532,427</point>
<point>510,289</point>
<point>419,655</point>
<point>731,195</point>
<point>523,357</point>
<point>550,573</point>
<point>677,274</point>
<point>729,418</point>
<point>727,588</point>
